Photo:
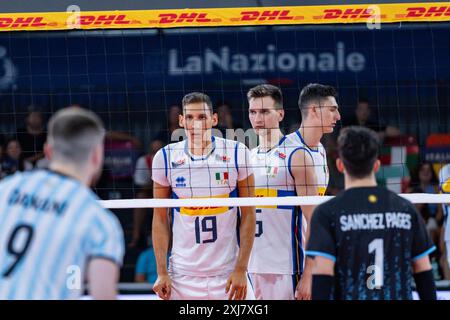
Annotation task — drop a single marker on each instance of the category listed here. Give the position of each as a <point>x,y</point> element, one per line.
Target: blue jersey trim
<point>303,141</point>
<point>186,150</point>
<point>321,254</point>
<point>290,159</point>
<point>424,254</point>
<point>278,144</point>
<point>236,156</point>
<point>165,161</point>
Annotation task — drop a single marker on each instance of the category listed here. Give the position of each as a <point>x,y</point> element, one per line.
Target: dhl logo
<point>166,18</point>
<point>420,12</point>
<point>205,211</point>
<point>360,13</point>
<point>22,22</point>
<point>281,15</point>
<point>104,20</point>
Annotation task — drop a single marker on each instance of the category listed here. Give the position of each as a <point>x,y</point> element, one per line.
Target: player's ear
<point>181,121</point>
<point>281,115</point>
<point>48,151</point>
<point>215,119</point>
<point>376,166</point>
<point>97,156</point>
<point>340,165</point>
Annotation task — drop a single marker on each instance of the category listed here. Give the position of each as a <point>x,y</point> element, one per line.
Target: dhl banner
<point>330,14</point>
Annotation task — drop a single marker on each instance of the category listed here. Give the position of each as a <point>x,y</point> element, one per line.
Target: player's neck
<point>70,171</point>
<point>270,139</point>
<point>200,148</point>
<point>311,135</point>
<point>350,182</point>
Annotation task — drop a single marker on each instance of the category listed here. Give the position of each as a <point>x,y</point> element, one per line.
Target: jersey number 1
<point>18,244</point>
<point>375,281</point>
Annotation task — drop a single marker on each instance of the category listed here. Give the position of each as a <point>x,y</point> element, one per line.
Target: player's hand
<point>304,287</point>
<point>163,286</point>
<point>237,285</point>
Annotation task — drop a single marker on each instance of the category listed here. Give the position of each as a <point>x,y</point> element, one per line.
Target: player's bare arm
<point>160,238</point>
<point>302,168</point>
<point>237,282</point>
<point>103,276</point>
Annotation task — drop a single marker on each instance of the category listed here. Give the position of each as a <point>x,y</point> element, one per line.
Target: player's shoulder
<point>229,143</point>
<point>99,213</point>
<point>174,146</point>
<point>292,139</point>
<point>14,178</point>
<point>397,202</point>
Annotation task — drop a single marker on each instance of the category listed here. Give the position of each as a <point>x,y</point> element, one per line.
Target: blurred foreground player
<point>53,232</point>
<point>368,243</point>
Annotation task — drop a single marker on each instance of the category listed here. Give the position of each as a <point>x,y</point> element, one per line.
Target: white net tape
<point>259,201</point>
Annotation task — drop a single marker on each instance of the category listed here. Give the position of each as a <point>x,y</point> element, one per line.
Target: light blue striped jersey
<point>50,226</point>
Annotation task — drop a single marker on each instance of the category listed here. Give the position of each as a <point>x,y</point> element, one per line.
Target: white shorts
<point>274,286</point>
<point>203,288</point>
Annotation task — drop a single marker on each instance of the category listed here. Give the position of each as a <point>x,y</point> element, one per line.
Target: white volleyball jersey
<point>319,157</point>
<point>278,244</point>
<point>50,227</point>
<point>204,239</point>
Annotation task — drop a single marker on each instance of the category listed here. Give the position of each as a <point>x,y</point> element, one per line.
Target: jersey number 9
<point>18,244</point>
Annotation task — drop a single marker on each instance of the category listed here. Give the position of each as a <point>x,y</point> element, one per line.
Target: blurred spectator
<point>173,123</point>
<point>13,159</point>
<point>363,117</point>
<point>143,182</point>
<point>225,118</point>
<point>32,137</point>
<point>146,265</point>
<point>425,181</point>
<point>336,183</point>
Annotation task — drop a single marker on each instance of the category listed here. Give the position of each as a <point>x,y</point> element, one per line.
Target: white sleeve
<point>444,179</point>
<point>160,168</point>
<point>242,158</point>
<point>141,175</point>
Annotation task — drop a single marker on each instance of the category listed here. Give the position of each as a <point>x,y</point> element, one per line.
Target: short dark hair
<point>73,133</point>
<point>358,149</point>
<point>314,92</point>
<point>197,97</point>
<point>267,90</point>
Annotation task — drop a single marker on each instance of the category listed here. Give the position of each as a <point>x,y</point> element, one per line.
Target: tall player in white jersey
<point>320,112</point>
<point>280,170</point>
<point>444,185</point>
<point>53,232</point>
<point>210,245</point>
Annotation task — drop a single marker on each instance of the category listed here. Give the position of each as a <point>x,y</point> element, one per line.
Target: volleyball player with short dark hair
<point>368,243</point>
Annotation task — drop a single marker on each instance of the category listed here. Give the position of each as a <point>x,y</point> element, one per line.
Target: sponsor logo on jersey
<point>178,163</point>
<point>222,158</point>
<point>222,177</point>
<point>180,182</point>
<point>281,155</point>
<point>205,211</point>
